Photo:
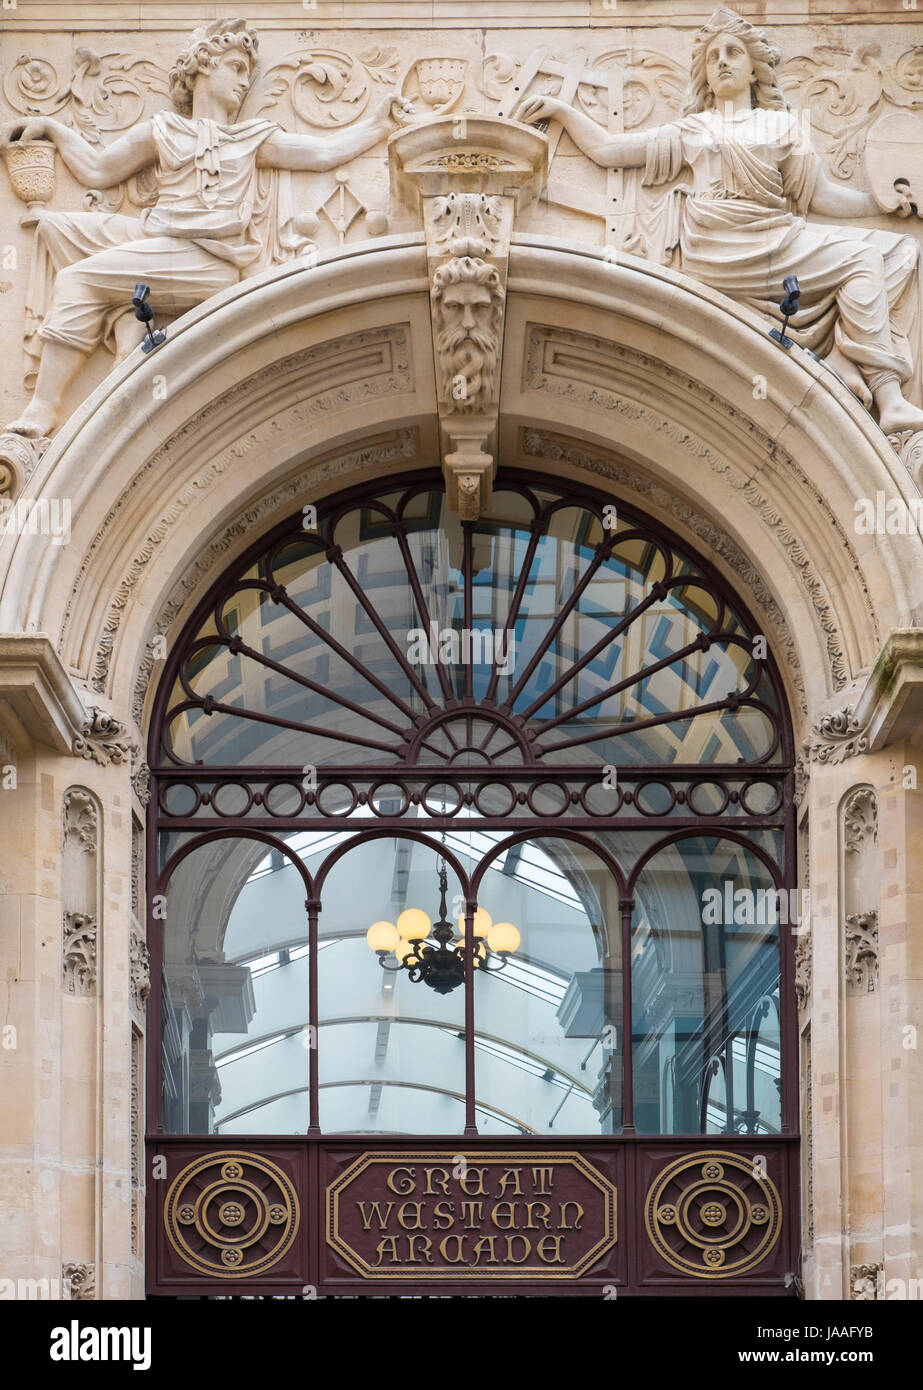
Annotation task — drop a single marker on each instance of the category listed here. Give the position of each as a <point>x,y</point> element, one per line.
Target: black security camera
<point>787,306</point>
<point>145,313</point>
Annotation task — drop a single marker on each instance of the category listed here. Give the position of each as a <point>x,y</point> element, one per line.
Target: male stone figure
<point>219,212</point>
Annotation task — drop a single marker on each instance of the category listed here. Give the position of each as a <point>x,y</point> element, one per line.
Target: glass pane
<point>705,982</point>
<point>391,1051</point>
<point>548,1047</point>
<point>235,993</point>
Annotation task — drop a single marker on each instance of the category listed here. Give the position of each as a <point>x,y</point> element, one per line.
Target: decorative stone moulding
<point>18,459</point>
<point>468,178</point>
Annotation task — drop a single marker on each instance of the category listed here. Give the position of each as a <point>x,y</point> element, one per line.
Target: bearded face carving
<point>468,311</point>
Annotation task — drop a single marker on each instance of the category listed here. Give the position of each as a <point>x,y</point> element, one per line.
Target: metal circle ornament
<point>231,1215</point>
<point>712,1215</point>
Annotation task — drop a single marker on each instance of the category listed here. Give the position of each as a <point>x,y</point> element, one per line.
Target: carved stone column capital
<point>467,178</point>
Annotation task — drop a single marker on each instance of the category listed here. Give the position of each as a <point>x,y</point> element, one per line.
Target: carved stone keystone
<point>467,178</point>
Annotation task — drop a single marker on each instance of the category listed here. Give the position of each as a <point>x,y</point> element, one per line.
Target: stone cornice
<point>423,14</point>
<point>34,682</point>
<point>889,710</point>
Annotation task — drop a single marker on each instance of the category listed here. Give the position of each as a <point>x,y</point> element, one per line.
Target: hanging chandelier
<point>442,967</point>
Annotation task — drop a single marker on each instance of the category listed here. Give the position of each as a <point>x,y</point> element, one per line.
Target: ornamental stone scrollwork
<point>326,87</point>
<point>838,736</point>
<point>803,968</point>
<point>106,91</point>
<point>19,459</point>
<point>861,943</point>
<point>104,739</point>
<point>239,197</point>
<point>232,1215</point>
<point>141,783</point>
<point>79,963</point>
<point>860,820</point>
<point>139,971</point>
<point>711,1216</point>
<point>79,1281</point>
<point>80,819</point>
<point>468,179</point>
<point>862,890</point>
<point>865,1282</point>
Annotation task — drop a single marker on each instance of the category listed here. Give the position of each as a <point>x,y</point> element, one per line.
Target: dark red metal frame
<point>414,778</point>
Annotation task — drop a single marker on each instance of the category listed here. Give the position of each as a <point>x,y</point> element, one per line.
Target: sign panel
<point>522,1214</point>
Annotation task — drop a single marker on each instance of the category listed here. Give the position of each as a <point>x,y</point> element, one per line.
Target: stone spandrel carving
<point>750,175</point>
<point>223,209</point>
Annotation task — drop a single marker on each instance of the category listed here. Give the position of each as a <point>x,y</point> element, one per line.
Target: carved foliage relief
<point>80,891</point>
<point>861,883</point>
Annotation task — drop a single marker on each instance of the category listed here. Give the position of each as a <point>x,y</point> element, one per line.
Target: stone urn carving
<point>30,165</point>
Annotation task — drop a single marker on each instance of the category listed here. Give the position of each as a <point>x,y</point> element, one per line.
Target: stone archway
<point>306,379</point>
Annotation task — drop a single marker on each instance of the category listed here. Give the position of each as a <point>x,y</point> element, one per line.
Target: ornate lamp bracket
<point>467,178</point>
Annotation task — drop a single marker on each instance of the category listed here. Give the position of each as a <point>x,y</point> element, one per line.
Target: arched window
<point>557,716</point>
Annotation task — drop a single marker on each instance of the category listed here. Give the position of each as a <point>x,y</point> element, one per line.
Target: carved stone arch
<point>625,372</point>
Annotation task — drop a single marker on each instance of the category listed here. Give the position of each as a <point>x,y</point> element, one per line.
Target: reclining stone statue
<point>754,176</point>
<point>223,207</point>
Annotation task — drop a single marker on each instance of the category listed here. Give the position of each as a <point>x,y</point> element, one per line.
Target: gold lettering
<point>472,1214</point>
<point>489,1242</point>
<point>416,1207</point>
<point>443,1219</point>
<point>543,1180</point>
<point>389,1242</point>
<point>511,1176</point>
<point>442,1180</point>
<point>407,1184</point>
<point>459,1249</point>
<point>510,1257</point>
<point>476,1175</point>
<point>374,1214</point>
<point>497,1215</point>
<point>544,1211</point>
<point>427,1246</point>
<point>558,1258</point>
<point>575,1224</point>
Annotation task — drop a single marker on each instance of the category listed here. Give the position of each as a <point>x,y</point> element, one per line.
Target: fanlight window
<point>576,725</point>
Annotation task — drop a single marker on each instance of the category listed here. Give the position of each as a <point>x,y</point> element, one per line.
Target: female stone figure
<point>220,212</point>
<point>754,177</point>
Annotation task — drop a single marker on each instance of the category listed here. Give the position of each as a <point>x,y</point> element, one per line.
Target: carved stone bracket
<point>468,178</point>
<point>837,737</point>
<point>104,739</point>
